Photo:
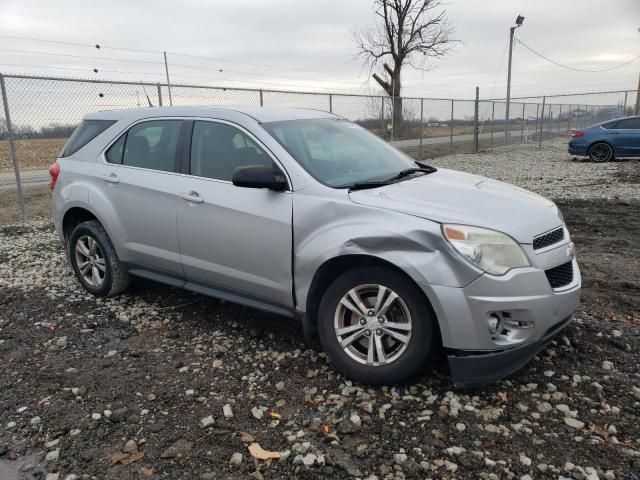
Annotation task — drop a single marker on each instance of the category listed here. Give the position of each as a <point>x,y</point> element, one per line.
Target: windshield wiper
<point>401,174</point>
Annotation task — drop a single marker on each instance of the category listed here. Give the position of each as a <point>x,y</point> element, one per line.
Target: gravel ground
<point>551,171</point>
<point>162,383</point>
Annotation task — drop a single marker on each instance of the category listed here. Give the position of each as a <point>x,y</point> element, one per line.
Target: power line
<point>574,68</point>
<point>131,60</point>
<point>77,44</point>
<point>86,57</point>
<point>88,70</point>
<point>138,50</point>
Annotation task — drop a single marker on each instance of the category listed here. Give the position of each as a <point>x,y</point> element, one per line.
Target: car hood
<point>448,196</point>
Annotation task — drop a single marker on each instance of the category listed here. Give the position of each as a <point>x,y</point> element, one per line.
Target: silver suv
<point>305,214</point>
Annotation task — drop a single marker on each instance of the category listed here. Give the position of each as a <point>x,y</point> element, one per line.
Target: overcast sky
<point>311,40</point>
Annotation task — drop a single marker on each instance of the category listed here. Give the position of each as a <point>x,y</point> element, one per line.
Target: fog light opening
<point>494,322</point>
<point>504,327</point>
<point>520,324</point>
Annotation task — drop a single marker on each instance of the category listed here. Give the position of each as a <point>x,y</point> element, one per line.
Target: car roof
<point>620,118</point>
<point>260,114</point>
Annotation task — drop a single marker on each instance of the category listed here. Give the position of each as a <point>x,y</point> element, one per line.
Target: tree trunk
<point>398,117</point>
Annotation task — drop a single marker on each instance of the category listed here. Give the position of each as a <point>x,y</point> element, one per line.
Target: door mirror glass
<point>259,176</point>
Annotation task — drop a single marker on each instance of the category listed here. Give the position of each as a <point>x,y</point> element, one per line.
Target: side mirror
<point>260,176</point>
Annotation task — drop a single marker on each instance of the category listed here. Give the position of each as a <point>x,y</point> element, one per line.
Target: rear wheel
<point>375,326</point>
<point>94,260</point>
<point>601,152</point>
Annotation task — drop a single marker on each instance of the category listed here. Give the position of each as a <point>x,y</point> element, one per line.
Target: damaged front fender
<point>325,230</point>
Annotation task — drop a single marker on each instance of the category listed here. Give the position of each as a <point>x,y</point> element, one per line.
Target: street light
<point>519,20</point>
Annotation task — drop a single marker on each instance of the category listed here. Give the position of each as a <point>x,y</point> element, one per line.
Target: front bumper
<point>522,300</point>
<point>469,370</point>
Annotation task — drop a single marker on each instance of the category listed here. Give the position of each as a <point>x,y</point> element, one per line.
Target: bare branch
<point>408,30</point>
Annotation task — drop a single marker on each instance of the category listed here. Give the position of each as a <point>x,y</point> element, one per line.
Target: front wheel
<point>601,152</point>
<point>376,326</point>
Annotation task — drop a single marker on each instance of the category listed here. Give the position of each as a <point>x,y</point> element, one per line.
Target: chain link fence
<point>39,113</point>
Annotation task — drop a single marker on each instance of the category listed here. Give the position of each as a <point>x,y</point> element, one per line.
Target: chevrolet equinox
<point>305,214</point>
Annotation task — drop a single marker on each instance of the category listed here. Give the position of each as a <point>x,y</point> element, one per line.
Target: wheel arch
<point>73,217</point>
<point>607,142</point>
<point>332,268</point>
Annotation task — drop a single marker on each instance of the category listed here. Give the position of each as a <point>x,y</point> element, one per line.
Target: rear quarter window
<point>83,134</point>
<point>610,125</point>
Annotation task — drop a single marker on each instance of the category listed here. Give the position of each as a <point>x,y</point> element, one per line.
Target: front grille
<point>554,236</point>
<point>561,275</point>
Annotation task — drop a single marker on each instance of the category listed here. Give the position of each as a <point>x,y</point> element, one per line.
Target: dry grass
<point>37,200</point>
<point>33,154</point>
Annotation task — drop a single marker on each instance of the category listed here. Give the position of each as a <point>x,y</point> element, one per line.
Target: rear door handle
<point>193,197</point>
<point>113,178</point>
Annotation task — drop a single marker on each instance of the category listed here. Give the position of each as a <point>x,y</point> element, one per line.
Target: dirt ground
<point>85,379</point>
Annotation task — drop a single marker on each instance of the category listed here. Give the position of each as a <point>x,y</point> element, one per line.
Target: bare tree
<point>408,31</point>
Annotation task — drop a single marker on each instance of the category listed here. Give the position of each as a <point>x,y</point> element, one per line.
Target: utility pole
<point>166,69</point>
<point>637,111</point>
<point>518,24</point>
<point>476,122</point>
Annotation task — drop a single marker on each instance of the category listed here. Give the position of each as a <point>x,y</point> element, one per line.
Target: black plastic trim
<point>211,290</point>
<point>475,369</point>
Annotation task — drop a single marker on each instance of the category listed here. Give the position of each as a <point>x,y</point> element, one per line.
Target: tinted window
<point>630,123</point>
<point>610,125</point>
<point>151,145</point>
<point>217,149</point>
<point>83,134</point>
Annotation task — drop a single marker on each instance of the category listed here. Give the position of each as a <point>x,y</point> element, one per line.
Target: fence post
<point>522,124</point>
<point>569,119</point>
<point>476,124</point>
<point>330,103</point>
<point>493,115</point>
<point>559,118</point>
<point>382,125</point>
<point>506,121</point>
<point>544,100</point>
<point>451,129</point>
<point>261,99</point>
<point>421,127</point>
<point>159,95</point>
<point>624,108</point>
<point>14,154</point>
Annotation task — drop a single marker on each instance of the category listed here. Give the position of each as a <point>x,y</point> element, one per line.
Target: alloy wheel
<point>372,324</point>
<point>90,261</point>
<point>600,152</point>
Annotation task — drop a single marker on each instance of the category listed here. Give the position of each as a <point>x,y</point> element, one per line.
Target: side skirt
<point>214,291</point>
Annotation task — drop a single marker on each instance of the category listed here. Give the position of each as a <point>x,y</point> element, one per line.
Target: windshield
<point>339,153</point>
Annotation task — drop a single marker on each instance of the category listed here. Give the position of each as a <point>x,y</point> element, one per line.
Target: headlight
<point>493,252</point>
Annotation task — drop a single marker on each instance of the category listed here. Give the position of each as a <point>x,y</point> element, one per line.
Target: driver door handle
<point>193,197</point>
<point>113,178</point>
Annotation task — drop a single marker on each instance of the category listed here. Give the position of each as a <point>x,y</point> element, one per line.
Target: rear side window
<point>152,145</point>
<point>630,123</point>
<point>83,134</point>
<point>611,125</point>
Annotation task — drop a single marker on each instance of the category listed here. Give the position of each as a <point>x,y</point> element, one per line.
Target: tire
<point>401,359</point>
<point>94,260</point>
<point>600,152</point>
